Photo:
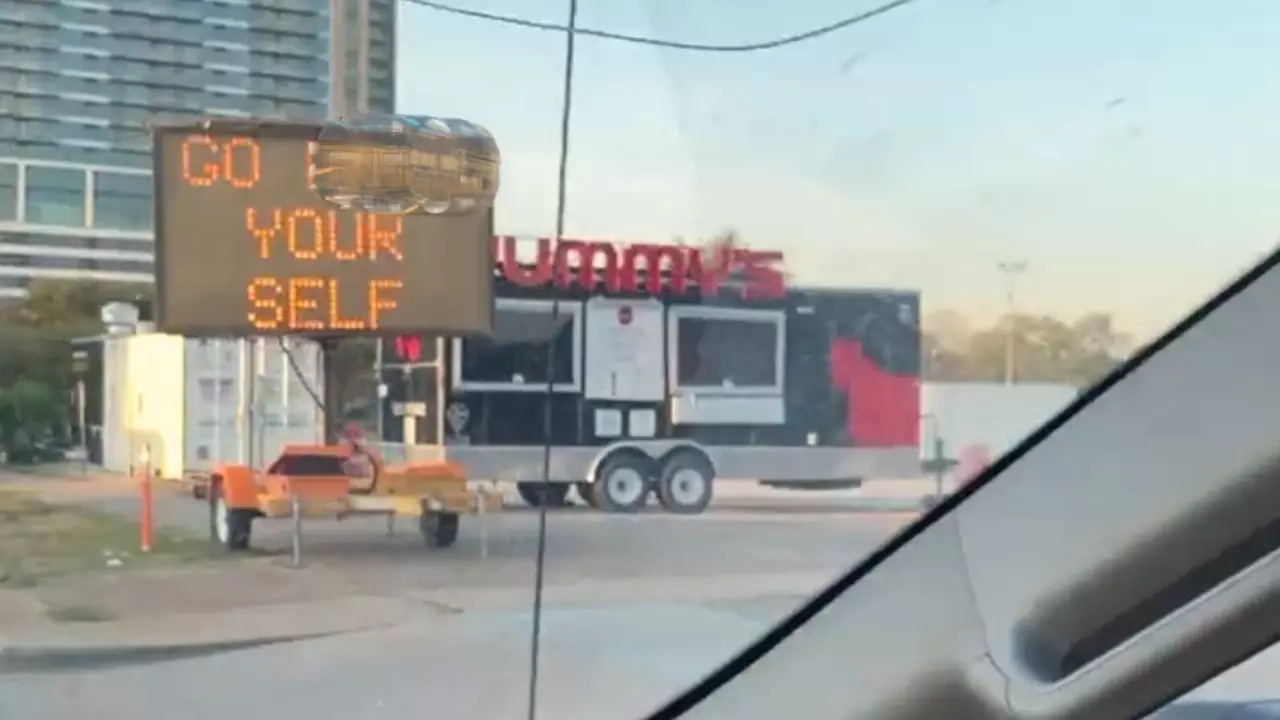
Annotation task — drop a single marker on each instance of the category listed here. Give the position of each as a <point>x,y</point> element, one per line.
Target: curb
<point>35,659</point>
<point>177,637</point>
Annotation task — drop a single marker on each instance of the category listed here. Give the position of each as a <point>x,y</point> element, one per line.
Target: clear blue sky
<point>1127,149</point>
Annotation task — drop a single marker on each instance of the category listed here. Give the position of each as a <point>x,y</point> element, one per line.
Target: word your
<point>643,268</point>
<point>309,234</point>
<point>311,300</point>
<point>311,303</point>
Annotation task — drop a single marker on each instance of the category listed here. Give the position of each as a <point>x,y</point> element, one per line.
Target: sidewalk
<point>175,636</point>
<point>69,478</point>
<point>48,645</point>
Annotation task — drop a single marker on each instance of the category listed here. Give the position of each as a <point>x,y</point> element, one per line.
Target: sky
<point>1124,149</point>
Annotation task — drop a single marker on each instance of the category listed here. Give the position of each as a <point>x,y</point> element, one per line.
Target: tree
<point>950,329</point>
<point>944,340</point>
<point>71,306</point>
<point>30,414</point>
<point>35,354</point>
<point>1046,349</point>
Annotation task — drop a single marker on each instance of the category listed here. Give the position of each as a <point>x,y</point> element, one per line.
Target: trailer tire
<point>439,529</point>
<point>535,494</point>
<point>685,482</point>
<point>623,482</point>
<point>230,528</point>
<point>586,494</point>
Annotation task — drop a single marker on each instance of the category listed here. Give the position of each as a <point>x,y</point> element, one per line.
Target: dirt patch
<point>78,614</point>
<point>179,590</point>
<point>40,540</point>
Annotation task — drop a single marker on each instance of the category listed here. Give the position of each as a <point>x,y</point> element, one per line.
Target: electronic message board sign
<point>246,246</point>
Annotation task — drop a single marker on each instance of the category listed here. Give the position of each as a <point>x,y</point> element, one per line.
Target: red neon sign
<point>643,268</point>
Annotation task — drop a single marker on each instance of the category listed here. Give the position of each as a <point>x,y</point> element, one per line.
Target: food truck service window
<point>726,350</point>
<point>514,358</point>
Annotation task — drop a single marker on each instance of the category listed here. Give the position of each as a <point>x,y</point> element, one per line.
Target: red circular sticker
<point>624,315</point>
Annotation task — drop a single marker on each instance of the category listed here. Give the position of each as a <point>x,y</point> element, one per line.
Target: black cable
<point>302,379</point>
<point>562,175</point>
<point>862,17</point>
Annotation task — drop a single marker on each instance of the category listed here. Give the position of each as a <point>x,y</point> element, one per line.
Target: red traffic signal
<point>408,348</point>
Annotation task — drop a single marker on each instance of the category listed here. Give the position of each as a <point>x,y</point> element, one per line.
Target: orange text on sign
<point>309,234</point>
<point>313,302</point>
<point>207,160</point>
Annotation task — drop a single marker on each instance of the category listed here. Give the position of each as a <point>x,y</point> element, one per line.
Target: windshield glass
<point>568,362</point>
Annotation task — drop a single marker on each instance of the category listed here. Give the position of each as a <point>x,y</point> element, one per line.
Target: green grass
<point>39,540</point>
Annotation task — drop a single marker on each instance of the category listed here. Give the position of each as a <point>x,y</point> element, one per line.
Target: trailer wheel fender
<point>686,479</point>
<point>651,449</point>
<point>623,464</point>
<point>229,527</point>
<point>238,487</point>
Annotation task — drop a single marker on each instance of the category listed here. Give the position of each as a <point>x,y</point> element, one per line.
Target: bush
<point>30,414</point>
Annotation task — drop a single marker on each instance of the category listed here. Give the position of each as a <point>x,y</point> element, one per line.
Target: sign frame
<point>308,131</point>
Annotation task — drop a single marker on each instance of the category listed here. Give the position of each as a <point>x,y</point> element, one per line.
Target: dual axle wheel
<point>682,482</point>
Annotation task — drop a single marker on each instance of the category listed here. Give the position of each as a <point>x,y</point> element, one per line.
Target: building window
<point>55,196</point>
<point>122,202</point>
<point>8,192</point>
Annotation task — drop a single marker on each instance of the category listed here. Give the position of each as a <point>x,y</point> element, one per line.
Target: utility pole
<point>342,104</point>
<point>1011,269</point>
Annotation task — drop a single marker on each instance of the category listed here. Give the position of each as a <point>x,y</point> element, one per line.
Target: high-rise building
<point>81,79</point>
<point>364,35</point>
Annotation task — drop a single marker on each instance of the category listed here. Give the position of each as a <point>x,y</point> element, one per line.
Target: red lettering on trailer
<point>591,264</point>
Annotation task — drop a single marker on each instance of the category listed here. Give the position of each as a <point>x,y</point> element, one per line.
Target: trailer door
<point>624,350</point>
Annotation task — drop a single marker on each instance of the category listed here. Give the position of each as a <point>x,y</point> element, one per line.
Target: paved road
<point>598,663</point>
<point>471,665</point>
<point>638,607</point>
<point>747,533</point>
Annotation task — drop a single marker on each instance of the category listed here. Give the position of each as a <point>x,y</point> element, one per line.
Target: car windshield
<point>646,321</point>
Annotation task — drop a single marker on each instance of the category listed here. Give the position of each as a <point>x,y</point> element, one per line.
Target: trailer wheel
<point>535,494</point>
<point>230,528</point>
<point>685,482</point>
<point>586,494</point>
<point>439,529</point>
<point>622,482</point>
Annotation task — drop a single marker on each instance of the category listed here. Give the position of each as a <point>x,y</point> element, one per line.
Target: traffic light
<point>408,349</point>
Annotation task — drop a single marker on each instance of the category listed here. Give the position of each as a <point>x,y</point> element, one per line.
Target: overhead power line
<point>862,17</point>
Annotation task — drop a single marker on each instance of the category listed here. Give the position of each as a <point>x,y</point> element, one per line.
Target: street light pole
<point>1011,270</point>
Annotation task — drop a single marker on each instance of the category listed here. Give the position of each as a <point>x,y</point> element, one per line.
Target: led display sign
<point>245,246</point>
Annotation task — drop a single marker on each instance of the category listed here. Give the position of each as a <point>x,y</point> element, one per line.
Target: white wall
<point>275,410</point>
<point>152,401</point>
<point>992,414</point>
<point>283,412</point>
<point>182,398</point>
<point>211,401</point>
<point>115,390</point>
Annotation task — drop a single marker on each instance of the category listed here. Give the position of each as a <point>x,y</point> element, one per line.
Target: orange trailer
<point>338,481</point>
